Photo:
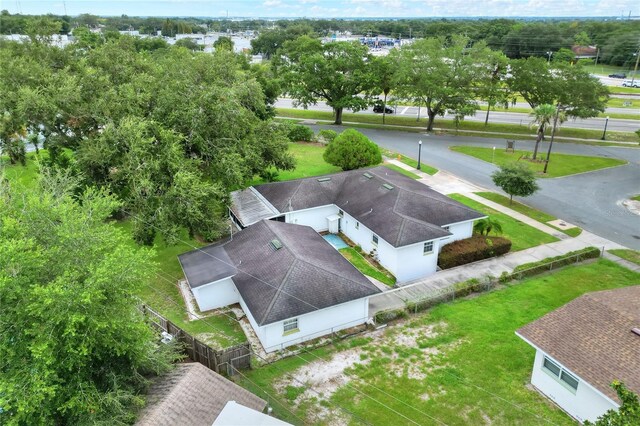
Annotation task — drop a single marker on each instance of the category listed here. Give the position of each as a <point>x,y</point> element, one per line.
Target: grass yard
<point>364,266</point>
<point>459,363</point>
<point>402,171</point>
<point>560,164</point>
<point>534,214</point>
<point>409,161</point>
<point>522,236</point>
<point>636,198</point>
<point>627,254</point>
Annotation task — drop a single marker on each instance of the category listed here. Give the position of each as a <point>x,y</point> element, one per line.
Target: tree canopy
<point>74,347</point>
<point>516,179</point>
<point>627,414</point>
<point>340,73</point>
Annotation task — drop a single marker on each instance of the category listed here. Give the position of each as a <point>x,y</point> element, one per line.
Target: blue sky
<point>328,8</point>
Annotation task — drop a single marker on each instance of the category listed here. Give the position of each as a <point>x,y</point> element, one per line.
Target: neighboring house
<point>403,222</point>
<point>582,347</point>
<point>194,395</point>
<point>290,282</point>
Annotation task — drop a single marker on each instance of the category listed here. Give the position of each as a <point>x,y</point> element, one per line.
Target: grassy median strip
<point>560,164</point>
<point>400,170</point>
<point>522,236</point>
<point>448,126</point>
<point>627,254</point>
<point>534,214</point>
<point>364,266</point>
<point>409,161</point>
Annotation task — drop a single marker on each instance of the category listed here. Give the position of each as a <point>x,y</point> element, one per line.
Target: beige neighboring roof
<point>592,337</point>
<point>193,395</point>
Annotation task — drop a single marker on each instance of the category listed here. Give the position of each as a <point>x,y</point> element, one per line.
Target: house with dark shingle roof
<point>404,223</point>
<point>585,345</point>
<point>290,282</point>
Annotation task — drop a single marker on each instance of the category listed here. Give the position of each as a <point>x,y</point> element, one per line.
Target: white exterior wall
<point>416,264</point>
<point>216,294</point>
<point>585,404</point>
<point>312,325</point>
<point>315,218</point>
<point>460,231</point>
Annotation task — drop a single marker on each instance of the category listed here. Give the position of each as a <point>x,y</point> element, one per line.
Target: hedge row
<point>478,247</point>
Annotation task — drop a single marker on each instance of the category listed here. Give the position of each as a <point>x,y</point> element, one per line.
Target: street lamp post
<point>606,121</point>
<point>549,53</point>
<point>419,153</point>
<point>493,156</point>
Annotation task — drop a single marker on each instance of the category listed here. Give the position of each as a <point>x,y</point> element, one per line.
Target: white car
<point>631,83</point>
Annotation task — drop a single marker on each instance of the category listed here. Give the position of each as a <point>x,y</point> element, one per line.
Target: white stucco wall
<point>216,294</point>
<point>315,218</point>
<point>312,325</point>
<point>586,403</point>
<point>416,264</point>
<point>460,231</point>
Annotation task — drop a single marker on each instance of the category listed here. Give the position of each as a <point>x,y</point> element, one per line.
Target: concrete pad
<point>559,223</point>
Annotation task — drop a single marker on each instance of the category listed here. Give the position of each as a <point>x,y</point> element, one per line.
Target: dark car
<point>618,75</point>
<point>378,108</point>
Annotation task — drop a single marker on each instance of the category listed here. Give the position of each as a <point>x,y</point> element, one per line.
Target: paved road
<point>495,117</point>
<point>589,200</point>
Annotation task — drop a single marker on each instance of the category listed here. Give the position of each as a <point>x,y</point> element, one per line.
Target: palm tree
<point>542,117</point>
<point>485,226</point>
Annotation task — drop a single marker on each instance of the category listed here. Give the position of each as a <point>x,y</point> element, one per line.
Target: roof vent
<point>275,244</point>
<point>387,186</point>
<point>367,175</point>
<point>636,330</point>
<point>324,179</point>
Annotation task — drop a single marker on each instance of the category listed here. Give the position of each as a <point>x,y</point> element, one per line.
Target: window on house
<point>560,373</point>
<point>290,326</point>
<point>374,240</point>
<point>340,213</point>
<point>357,225</point>
<point>427,248</point>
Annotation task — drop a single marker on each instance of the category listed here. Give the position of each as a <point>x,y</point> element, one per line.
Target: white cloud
<point>272,3</point>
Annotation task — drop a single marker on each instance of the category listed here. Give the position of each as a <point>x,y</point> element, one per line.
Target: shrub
<point>300,133</point>
<point>326,136</point>
<point>535,268</point>
<point>387,316</point>
<point>352,150</point>
<point>478,247</point>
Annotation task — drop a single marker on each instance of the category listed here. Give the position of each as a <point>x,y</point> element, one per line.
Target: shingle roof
<point>206,265</point>
<point>592,337</point>
<point>192,395</point>
<point>305,275</point>
<point>409,213</point>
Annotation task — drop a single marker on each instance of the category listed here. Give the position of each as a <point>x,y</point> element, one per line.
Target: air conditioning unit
<point>166,337</point>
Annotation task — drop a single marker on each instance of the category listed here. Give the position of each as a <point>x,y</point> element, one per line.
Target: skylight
<point>324,179</point>
<point>387,186</point>
<point>367,175</point>
<point>275,244</point>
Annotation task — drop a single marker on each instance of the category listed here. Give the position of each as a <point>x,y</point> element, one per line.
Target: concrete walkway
<point>623,262</point>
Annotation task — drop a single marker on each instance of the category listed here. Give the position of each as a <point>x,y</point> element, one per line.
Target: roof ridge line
<point>278,289</point>
<point>336,274</point>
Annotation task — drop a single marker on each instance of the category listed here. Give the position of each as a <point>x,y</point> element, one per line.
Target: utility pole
<point>635,69</point>
<point>553,133</point>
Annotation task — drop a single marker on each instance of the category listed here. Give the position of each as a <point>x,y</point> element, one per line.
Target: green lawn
<point>409,161</point>
<point>534,214</point>
<point>448,126</point>
<point>460,363</point>
<point>560,164</point>
<point>402,171</point>
<point>522,236</point>
<point>636,198</point>
<point>364,266</point>
<point>627,254</point>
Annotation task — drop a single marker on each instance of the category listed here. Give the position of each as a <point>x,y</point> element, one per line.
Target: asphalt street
<point>519,118</point>
<point>589,200</point>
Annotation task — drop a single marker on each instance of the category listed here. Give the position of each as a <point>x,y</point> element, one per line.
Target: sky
<point>328,8</point>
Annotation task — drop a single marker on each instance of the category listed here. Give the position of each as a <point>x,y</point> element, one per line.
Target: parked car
<point>631,83</point>
<point>618,75</point>
<point>377,108</point>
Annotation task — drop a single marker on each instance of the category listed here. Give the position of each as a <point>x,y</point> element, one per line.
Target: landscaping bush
<point>472,249</point>
<point>300,133</point>
<point>326,136</point>
<point>352,150</point>
<point>387,316</point>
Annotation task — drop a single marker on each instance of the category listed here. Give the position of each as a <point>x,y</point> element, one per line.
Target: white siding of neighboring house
<point>586,403</point>
<point>216,294</point>
<point>315,217</point>
<point>312,325</point>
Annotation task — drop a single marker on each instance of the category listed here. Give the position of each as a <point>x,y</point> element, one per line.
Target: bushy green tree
<point>628,413</point>
<point>223,43</point>
<point>352,150</point>
<point>516,179</point>
<point>74,347</point>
